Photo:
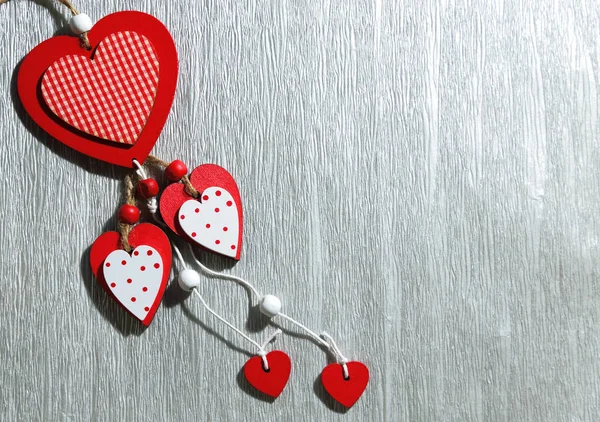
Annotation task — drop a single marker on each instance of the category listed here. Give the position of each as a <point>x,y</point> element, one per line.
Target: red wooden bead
<point>147,188</point>
<point>176,170</point>
<point>129,214</point>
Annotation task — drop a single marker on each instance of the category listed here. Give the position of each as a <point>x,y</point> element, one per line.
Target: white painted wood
<point>134,279</point>
<point>213,223</point>
<point>80,23</point>
<point>419,177</point>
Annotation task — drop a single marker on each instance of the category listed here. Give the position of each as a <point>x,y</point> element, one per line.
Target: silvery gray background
<point>420,178</point>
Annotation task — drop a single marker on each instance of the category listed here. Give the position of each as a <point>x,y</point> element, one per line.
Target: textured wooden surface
<point>420,179</point>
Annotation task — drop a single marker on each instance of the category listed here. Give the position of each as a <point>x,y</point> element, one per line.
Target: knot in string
<point>151,202</point>
<point>263,353</point>
<point>339,357</point>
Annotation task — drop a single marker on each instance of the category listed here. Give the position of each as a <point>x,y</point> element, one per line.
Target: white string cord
<point>151,203</point>
<point>261,348</point>
<point>140,170</point>
<point>330,344</point>
<point>224,321</point>
<point>178,253</point>
<point>262,353</point>
<point>341,359</point>
<point>238,280</point>
<point>306,329</point>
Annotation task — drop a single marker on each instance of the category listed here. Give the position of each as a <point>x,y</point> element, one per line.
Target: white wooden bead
<point>188,280</point>
<point>81,23</point>
<point>270,305</point>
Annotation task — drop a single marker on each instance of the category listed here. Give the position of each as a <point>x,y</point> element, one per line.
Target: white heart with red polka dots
<point>212,223</point>
<point>134,279</point>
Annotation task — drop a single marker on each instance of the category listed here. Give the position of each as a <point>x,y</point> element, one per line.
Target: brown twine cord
<point>156,161</point>
<point>190,190</point>
<point>124,228</point>
<point>188,187</point>
<point>70,6</point>
<point>85,41</point>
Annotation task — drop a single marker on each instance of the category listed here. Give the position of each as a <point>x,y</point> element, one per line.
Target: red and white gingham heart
<point>111,96</point>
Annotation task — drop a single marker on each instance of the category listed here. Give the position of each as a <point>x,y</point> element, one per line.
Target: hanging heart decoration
<point>213,220</point>
<point>273,381</point>
<point>136,280</point>
<point>107,94</point>
<point>110,102</point>
<point>345,391</point>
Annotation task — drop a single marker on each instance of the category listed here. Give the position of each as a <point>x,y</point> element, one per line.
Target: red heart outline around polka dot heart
<point>202,177</point>
<point>142,234</point>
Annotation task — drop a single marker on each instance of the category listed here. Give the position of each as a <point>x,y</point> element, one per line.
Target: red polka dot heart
<point>134,279</point>
<point>212,223</point>
<point>137,280</point>
<point>214,219</point>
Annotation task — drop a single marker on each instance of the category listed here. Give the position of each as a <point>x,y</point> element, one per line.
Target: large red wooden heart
<point>214,220</point>
<point>138,280</point>
<point>273,381</point>
<point>97,102</point>
<point>345,391</point>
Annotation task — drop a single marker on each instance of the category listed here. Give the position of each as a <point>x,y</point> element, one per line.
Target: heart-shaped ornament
<point>214,220</point>
<point>111,96</point>
<point>212,223</point>
<point>136,281</point>
<point>111,102</point>
<point>345,391</point>
<point>273,381</point>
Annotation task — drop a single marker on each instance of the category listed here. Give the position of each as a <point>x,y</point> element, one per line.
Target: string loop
<point>261,348</point>
<point>340,358</point>
<point>151,202</point>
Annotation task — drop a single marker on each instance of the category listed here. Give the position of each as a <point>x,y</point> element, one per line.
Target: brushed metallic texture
<point>420,179</point>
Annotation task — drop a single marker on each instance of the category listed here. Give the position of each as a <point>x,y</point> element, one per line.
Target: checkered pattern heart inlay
<point>110,96</point>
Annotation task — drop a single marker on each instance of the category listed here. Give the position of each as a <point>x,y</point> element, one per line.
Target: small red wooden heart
<point>149,242</point>
<point>345,391</point>
<point>207,179</point>
<point>272,382</point>
<point>95,139</point>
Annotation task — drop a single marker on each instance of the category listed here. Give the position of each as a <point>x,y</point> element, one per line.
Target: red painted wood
<point>176,170</point>
<point>48,52</point>
<point>202,177</point>
<point>142,234</point>
<point>129,214</point>
<point>148,188</point>
<point>346,392</point>
<point>274,381</point>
